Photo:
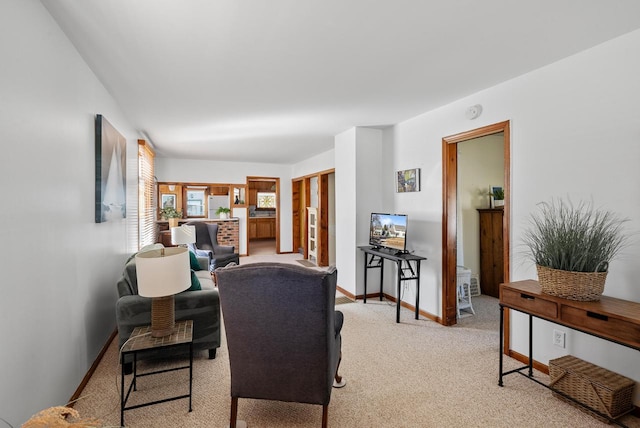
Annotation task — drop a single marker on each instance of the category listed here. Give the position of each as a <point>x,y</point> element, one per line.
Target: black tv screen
<point>388,231</point>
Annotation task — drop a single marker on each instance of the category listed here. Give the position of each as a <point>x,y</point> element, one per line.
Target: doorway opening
<point>263,231</point>
<point>313,215</point>
<point>451,214</point>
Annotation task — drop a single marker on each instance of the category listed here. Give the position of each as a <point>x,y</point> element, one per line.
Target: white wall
<point>574,133</point>
<point>204,171</point>
<point>346,242</point>
<point>358,182</point>
<point>322,162</point>
<point>59,268</point>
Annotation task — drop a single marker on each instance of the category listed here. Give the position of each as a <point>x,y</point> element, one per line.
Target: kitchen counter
<point>228,230</point>
<point>186,220</point>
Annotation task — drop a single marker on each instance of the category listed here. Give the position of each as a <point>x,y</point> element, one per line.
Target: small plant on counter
<point>223,210</point>
<point>170,212</point>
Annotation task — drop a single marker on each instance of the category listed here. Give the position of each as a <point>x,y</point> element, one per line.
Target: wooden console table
<point>611,319</point>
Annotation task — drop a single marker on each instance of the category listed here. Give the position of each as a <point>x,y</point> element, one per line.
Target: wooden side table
<point>141,340</point>
<point>609,318</point>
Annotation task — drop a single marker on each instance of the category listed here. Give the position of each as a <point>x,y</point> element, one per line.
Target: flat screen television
<point>388,231</point>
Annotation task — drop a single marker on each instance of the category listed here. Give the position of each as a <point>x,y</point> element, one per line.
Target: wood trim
<point>525,360</point>
<point>404,304</point>
<point>85,380</point>
<point>296,213</point>
<point>326,171</point>
<point>346,293</point>
<point>323,220</point>
<point>449,213</point>
<point>278,216</point>
<point>277,191</point>
<point>478,132</point>
<point>449,234</point>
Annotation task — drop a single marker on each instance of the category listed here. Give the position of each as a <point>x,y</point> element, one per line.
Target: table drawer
<point>529,303</point>
<point>601,324</point>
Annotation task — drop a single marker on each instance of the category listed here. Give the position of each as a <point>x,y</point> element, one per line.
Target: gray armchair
<point>206,245</point>
<point>283,333</point>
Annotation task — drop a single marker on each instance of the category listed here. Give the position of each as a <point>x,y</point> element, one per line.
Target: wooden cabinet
<point>253,196</point>
<point>263,228</point>
<point>164,237</point>
<point>491,250</point>
<point>260,228</point>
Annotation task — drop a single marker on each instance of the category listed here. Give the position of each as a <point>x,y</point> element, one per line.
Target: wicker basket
<point>605,391</point>
<point>584,286</point>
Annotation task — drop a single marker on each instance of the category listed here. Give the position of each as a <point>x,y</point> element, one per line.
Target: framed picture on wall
<point>111,172</point>
<point>167,200</point>
<point>496,196</point>
<point>408,180</point>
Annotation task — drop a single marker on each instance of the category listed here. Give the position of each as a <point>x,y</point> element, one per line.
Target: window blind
<point>146,195</point>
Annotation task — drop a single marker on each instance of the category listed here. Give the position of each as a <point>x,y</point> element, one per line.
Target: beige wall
<point>480,165</point>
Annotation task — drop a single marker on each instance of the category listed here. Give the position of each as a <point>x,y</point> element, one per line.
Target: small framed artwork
<point>408,180</point>
<point>496,196</point>
<point>167,200</point>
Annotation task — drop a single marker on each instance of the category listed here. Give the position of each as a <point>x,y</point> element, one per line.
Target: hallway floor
<point>258,247</point>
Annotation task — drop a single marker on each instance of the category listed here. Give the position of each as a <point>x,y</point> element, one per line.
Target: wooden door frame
<point>323,213</point>
<point>449,214</point>
<point>297,214</point>
<point>277,181</point>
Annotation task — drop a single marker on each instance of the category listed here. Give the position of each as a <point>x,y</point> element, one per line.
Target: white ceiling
<point>275,80</point>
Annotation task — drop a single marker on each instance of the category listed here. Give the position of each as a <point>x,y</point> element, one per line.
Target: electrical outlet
<point>559,338</point>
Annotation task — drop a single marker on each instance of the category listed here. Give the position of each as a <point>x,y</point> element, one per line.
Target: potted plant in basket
<point>171,214</point>
<point>572,246</point>
<point>223,212</point>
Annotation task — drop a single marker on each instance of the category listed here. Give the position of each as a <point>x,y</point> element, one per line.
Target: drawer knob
<point>597,316</point>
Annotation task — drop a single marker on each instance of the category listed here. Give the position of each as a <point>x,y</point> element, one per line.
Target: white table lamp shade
<point>183,235</point>
<point>163,272</point>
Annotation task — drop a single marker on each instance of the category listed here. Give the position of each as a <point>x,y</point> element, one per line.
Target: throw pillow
<point>193,261</point>
<point>195,282</point>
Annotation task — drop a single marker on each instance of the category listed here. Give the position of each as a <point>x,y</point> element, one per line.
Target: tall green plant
<point>574,238</point>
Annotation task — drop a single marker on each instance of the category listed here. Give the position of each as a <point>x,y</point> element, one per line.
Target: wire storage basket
<point>583,286</point>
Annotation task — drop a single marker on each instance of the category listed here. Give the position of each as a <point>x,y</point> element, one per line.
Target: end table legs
<point>190,373</point>
<point>501,333</point>
<point>122,390</point>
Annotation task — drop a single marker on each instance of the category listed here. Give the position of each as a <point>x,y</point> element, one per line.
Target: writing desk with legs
<point>406,271</point>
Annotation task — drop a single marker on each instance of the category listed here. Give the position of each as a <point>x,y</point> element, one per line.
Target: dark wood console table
<point>374,259</point>
<point>611,319</point>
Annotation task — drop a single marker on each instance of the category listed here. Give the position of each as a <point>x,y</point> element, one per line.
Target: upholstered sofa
<point>202,306</point>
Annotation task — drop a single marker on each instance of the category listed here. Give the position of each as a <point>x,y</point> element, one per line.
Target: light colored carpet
<point>306,263</point>
<point>413,374</point>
